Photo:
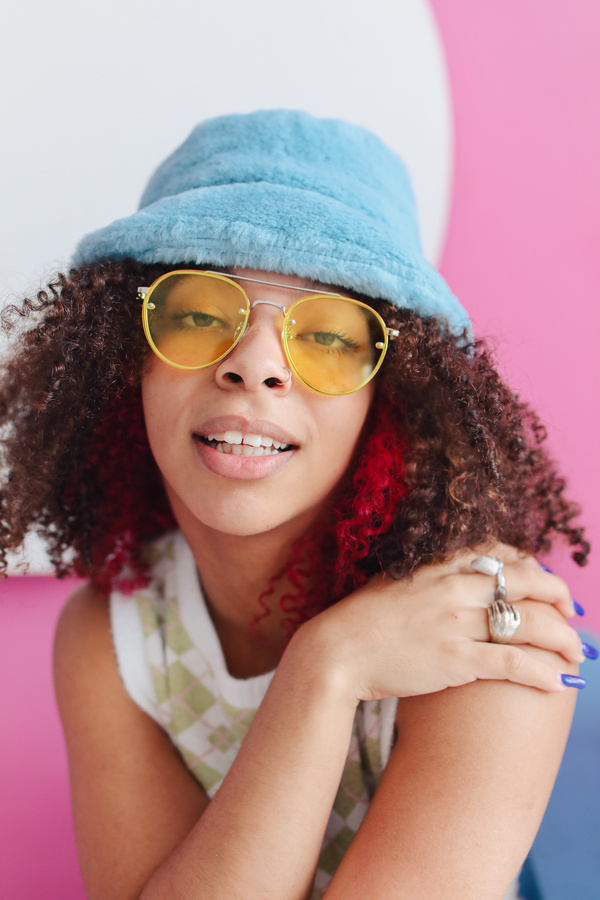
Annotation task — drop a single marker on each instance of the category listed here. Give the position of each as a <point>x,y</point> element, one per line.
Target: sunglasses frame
<point>145,294</point>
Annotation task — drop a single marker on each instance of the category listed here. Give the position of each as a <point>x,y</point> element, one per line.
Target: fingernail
<point>573,681</point>
<point>589,651</point>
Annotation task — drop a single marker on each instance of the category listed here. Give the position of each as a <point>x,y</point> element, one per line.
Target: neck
<point>244,579</point>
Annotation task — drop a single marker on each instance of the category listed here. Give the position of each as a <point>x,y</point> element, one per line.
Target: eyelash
<point>348,343</point>
<point>178,318</point>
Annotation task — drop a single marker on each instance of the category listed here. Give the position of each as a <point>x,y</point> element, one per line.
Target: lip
<point>243,468</point>
<point>246,426</point>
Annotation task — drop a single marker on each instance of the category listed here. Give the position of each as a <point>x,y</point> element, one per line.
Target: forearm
<point>462,796</point>
<point>262,833</point>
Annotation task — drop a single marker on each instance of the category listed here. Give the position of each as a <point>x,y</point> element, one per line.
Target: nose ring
<point>277,382</point>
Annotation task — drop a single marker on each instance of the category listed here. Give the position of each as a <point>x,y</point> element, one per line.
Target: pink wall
<point>37,848</point>
<point>519,254</point>
<point>522,248</point>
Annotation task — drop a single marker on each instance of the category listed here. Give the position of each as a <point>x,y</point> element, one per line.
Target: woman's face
<point>239,452</point>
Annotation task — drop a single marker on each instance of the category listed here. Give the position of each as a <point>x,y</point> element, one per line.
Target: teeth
<point>244,449</point>
<point>245,444</point>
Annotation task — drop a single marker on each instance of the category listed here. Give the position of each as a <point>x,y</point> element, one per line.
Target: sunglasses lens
<point>335,344</point>
<point>193,319</point>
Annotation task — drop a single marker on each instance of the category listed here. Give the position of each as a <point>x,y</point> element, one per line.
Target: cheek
<point>164,402</point>
<point>342,422</point>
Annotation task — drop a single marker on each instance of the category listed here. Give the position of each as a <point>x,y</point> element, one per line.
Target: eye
<point>330,341</point>
<point>196,319</point>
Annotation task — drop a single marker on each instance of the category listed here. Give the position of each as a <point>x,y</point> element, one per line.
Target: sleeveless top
<point>173,667</point>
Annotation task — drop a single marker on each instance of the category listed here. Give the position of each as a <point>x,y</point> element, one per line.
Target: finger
<point>529,580</point>
<point>540,627</point>
<point>525,578</point>
<point>504,662</point>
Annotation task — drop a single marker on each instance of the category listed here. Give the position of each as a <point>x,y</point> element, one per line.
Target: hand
<point>430,632</point>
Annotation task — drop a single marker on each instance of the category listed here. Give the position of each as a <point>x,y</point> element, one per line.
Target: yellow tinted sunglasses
<point>193,319</point>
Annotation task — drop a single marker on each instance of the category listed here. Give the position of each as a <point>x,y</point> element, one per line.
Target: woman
<point>308,493</point>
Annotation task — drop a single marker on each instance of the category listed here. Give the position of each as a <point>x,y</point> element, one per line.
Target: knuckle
<point>574,643</point>
<point>529,622</point>
<point>549,612</point>
<point>456,648</point>
<point>509,554</point>
<point>560,588</point>
<point>513,659</point>
<point>563,590</point>
<point>453,590</point>
<point>526,567</point>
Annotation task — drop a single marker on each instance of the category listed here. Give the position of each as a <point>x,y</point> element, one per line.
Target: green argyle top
<point>173,667</point>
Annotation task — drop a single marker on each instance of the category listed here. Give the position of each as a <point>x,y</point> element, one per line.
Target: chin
<point>241,516</point>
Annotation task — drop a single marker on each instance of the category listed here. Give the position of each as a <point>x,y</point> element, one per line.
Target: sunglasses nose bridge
<point>268,303</point>
<point>254,303</point>
<point>251,305</point>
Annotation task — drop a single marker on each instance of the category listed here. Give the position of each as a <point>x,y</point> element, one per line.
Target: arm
<point>136,806</point>
<point>133,799</point>
<point>462,797</point>
<point>263,830</point>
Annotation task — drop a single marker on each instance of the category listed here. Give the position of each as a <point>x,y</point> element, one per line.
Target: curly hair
<point>449,457</point>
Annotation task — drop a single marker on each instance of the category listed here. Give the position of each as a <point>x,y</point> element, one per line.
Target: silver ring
<point>503,620</point>
<point>491,565</point>
<point>288,378</point>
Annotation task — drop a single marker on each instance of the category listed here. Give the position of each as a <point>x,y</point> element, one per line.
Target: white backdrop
<point>96,95</point>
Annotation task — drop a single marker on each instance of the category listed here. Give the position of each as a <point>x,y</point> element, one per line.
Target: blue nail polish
<point>573,681</point>
<point>588,651</point>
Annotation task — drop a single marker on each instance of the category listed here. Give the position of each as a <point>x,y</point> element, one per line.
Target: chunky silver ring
<point>491,565</point>
<point>503,620</point>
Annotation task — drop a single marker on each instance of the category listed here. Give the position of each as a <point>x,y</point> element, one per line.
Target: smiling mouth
<point>239,444</point>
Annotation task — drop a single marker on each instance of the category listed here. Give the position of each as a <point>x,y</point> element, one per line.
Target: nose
<point>258,360</point>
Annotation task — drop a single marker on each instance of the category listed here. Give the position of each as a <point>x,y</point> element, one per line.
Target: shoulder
<point>83,648</point>
<point>96,710</point>
<point>86,625</point>
<point>83,622</point>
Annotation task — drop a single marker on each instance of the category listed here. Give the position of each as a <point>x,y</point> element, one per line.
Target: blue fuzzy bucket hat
<point>283,191</point>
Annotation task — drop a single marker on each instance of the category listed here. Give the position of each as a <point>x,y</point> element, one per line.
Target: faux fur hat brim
<point>284,192</point>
